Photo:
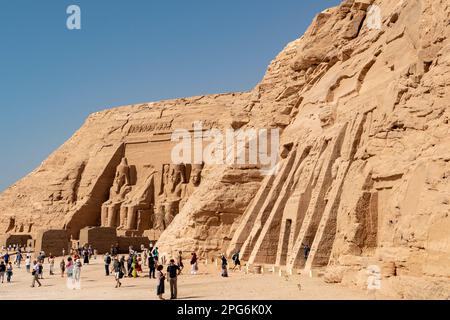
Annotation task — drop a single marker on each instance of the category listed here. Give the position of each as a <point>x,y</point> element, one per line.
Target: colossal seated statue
<point>120,188</point>
<point>194,181</point>
<point>139,201</point>
<point>168,203</point>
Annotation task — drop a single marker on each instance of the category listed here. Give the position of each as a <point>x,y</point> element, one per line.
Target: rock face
<point>364,175</point>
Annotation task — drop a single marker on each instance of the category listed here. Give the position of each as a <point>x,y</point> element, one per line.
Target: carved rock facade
<point>364,171</point>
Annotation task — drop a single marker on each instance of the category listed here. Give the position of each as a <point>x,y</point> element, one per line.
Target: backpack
<point>108,260</point>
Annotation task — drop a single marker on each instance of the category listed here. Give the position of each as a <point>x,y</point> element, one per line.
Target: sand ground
<point>207,285</point>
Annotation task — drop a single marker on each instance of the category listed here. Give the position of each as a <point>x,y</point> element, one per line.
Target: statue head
<point>196,174</point>
<point>166,168</point>
<point>124,162</point>
<point>196,177</point>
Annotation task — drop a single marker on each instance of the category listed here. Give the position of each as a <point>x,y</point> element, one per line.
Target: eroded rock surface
<point>364,177</point>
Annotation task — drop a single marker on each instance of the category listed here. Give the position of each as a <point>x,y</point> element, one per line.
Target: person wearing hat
<point>118,271</point>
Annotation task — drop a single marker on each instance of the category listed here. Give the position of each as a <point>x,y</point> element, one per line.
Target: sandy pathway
<point>208,285</point>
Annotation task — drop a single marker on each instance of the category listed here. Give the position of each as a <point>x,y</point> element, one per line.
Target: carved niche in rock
<point>144,206</point>
<point>175,192</point>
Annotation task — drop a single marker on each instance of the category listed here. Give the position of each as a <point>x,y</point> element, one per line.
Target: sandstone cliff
<point>364,178</point>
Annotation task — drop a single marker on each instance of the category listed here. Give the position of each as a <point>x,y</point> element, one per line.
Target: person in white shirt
<point>35,274</point>
<point>28,264</point>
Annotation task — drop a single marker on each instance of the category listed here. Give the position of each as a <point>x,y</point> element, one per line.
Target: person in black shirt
<point>173,271</point>
<point>151,265</point>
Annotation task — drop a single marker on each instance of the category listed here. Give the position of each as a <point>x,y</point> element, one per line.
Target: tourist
<point>236,261</point>
<point>91,252</point>
<point>35,274</point>
<point>107,263</point>
<point>77,274</point>
<point>62,267</point>
<point>41,257</point>
<point>86,256</point>
<point>134,267</point>
<point>51,261</point>
<point>173,271</point>
<point>118,271</point>
<point>40,270</point>
<point>224,266</point>
<point>129,266</point>
<point>144,256</point>
<point>152,266</point>
<point>69,267</point>
<point>139,264</point>
<point>64,253</point>
<point>6,257</point>
<point>70,270</point>
<point>9,272</point>
<point>95,254</point>
<point>194,263</point>
<point>180,260</point>
<point>160,284</point>
<point>28,263</point>
<point>2,270</point>
<point>76,255</point>
<point>122,264</point>
<point>155,254</point>
<point>150,250</point>
<point>19,258</point>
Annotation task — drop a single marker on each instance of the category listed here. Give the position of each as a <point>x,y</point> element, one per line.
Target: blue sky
<point>127,52</point>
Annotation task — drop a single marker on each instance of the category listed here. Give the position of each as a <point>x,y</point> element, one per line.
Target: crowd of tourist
<point>129,265</point>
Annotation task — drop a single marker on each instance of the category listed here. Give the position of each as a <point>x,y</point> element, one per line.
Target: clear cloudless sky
<point>127,52</point>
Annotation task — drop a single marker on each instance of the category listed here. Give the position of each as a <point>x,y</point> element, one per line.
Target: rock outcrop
<point>364,174</point>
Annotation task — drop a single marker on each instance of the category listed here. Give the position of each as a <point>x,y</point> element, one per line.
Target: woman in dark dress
<point>86,256</point>
<point>224,266</point>
<point>160,284</point>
